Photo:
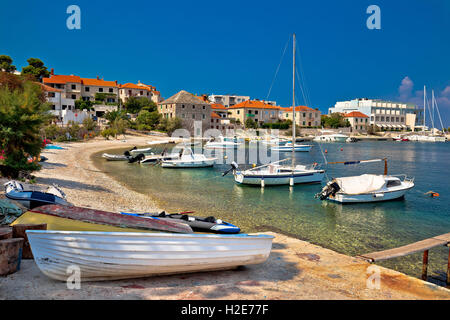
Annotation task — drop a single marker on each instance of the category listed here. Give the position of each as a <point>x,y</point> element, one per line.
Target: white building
<point>384,114</point>
<point>226,99</point>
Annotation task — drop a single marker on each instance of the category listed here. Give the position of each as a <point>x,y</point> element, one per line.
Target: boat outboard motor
<point>127,153</point>
<point>234,167</point>
<point>331,188</point>
<point>137,158</point>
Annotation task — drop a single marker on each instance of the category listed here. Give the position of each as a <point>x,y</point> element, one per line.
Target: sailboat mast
<point>424,107</point>
<point>293,103</point>
<point>432,112</point>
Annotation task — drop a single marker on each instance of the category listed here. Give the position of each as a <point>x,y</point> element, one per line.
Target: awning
<point>403,126</point>
<point>379,125</point>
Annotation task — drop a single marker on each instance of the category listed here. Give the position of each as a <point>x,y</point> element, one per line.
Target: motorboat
<point>72,218</point>
<point>201,224</point>
<point>330,136</point>
<point>222,142</point>
<point>116,157</point>
<point>124,255</point>
<point>188,159</point>
<point>31,199</point>
<point>288,147</point>
<point>277,174</point>
<point>366,187</point>
<point>141,150</point>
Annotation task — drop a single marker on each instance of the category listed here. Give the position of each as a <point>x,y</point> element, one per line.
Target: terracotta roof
<point>48,88</point>
<point>256,104</point>
<point>355,114</point>
<point>134,86</point>
<point>98,82</point>
<point>298,108</point>
<point>218,106</point>
<point>62,79</point>
<point>215,115</point>
<point>184,97</point>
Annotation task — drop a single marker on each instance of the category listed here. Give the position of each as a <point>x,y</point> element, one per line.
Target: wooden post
<point>19,232</point>
<point>425,265</point>
<point>448,266</point>
<point>5,233</point>
<point>10,255</point>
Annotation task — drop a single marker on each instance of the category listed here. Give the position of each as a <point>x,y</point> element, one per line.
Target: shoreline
<point>296,269</point>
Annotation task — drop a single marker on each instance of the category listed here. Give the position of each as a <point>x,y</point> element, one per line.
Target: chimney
<point>116,82</point>
<point>98,78</point>
<point>52,71</point>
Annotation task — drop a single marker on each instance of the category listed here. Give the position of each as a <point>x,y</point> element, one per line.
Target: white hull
<point>115,157</point>
<point>330,138</point>
<point>255,179</point>
<point>222,146</point>
<point>297,148</point>
<point>369,197</point>
<point>137,151</point>
<point>187,164</point>
<point>122,255</point>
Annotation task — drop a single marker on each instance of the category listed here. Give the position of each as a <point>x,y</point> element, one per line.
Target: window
<point>86,89</point>
<point>142,93</point>
<point>74,86</point>
<point>356,120</point>
<point>393,183</point>
<point>182,106</point>
<point>256,111</point>
<point>377,118</point>
<point>53,107</point>
<point>183,115</point>
<point>100,89</point>
<point>204,107</point>
<point>304,122</point>
<point>111,90</point>
<point>396,119</point>
<point>304,115</point>
<point>238,112</point>
<point>204,117</point>
<point>402,119</point>
<point>366,120</point>
<point>193,106</point>
<point>74,96</point>
<point>193,116</point>
<point>51,94</point>
<point>382,119</point>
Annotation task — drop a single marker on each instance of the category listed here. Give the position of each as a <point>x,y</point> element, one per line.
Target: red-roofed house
<point>257,110</point>
<point>70,85</point>
<point>139,90</point>
<point>358,120</point>
<point>304,116</point>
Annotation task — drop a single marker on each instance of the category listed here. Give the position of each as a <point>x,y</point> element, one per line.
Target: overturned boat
<point>71,218</point>
<point>31,199</point>
<point>201,224</point>
<point>366,187</point>
<point>124,255</point>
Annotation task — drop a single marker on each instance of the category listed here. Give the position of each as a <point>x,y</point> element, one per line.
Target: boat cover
<point>360,184</point>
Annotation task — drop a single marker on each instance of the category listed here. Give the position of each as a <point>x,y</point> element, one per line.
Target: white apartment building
<point>226,99</point>
<point>384,114</point>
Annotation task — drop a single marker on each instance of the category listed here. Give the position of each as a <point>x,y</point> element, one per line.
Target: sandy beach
<point>295,269</point>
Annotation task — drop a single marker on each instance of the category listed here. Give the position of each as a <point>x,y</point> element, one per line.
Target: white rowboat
<point>123,255</point>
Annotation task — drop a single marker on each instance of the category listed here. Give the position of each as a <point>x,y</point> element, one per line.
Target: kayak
<point>200,224</point>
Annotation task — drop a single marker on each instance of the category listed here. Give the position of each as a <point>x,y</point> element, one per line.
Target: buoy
<point>342,149</point>
<point>262,183</point>
<point>291,181</point>
<point>253,165</point>
<point>433,194</point>
<point>326,151</point>
<point>225,157</point>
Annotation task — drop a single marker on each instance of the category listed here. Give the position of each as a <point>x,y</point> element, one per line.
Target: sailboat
<point>276,173</point>
<point>433,137</point>
<point>366,187</point>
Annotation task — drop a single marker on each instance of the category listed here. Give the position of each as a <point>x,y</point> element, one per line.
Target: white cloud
<point>405,88</point>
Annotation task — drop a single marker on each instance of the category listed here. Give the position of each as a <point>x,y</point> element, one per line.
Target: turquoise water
<point>349,229</point>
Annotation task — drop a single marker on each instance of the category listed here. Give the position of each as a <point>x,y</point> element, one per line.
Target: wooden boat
<point>31,199</point>
<point>123,255</point>
<point>70,218</point>
<point>201,224</point>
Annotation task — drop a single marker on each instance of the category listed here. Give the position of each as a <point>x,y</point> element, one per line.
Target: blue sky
<point>235,46</point>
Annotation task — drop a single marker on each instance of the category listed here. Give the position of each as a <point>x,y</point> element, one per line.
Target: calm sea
<point>350,229</point>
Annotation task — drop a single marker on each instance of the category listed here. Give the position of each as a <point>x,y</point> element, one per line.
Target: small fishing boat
<point>288,147</point>
<point>188,159</point>
<point>31,199</point>
<point>116,157</point>
<point>276,174</point>
<point>71,218</point>
<point>331,137</point>
<point>201,224</point>
<point>142,150</point>
<point>125,255</point>
<point>366,187</point>
<point>222,142</point>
